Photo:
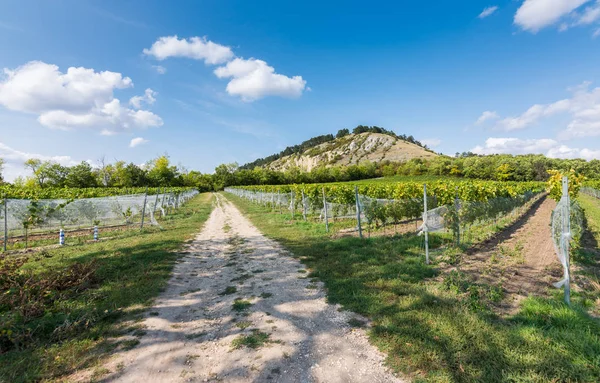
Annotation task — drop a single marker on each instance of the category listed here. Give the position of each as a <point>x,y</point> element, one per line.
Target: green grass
<point>240,305</point>
<point>429,329</point>
<point>255,340</point>
<point>72,324</point>
<point>587,256</point>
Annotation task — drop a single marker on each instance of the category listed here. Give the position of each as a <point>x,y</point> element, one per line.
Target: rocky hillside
<point>351,150</point>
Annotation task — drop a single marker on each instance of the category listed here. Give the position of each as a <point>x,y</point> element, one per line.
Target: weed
<point>266,295</point>
<point>255,340</point>
<point>240,305</point>
<point>229,290</point>
<point>243,324</point>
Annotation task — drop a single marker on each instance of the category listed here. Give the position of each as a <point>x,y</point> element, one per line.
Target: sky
<point>218,81</point>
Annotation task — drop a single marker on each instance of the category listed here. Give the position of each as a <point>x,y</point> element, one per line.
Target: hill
<point>353,149</point>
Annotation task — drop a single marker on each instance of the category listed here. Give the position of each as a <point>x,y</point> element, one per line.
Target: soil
<point>521,258</point>
<point>191,332</point>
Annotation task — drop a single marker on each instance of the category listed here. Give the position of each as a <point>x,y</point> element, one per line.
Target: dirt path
<point>521,259</point>
<point>193,327</point>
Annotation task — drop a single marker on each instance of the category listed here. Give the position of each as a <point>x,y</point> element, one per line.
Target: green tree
<point>81,176</point>
<point>161,172</point>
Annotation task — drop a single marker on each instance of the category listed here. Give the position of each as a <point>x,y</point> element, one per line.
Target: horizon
<point>224,82</point>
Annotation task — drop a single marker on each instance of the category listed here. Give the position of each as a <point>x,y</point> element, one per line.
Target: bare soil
<point>521,258</point>
<point>194,333</point>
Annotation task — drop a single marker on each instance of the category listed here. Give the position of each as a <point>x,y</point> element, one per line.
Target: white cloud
<point>583,108</point>
<point>198,48</point>
<point>487,11</point>
<point>431,142</point>
<point>485,116</point>
<point>137,141</point>
<point>546,146</point>
<point>534,15</point>
<point>79,98</point>
<point>250,79</point>
<point>149,98</point>
<point>533,115</point>
<point>159,69</point>
<point>15,160</point>
<point>590,15</point>
<point>596,33</point>
<point>253,79</point>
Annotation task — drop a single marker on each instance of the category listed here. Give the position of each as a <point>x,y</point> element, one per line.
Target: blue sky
<point>221,81</point>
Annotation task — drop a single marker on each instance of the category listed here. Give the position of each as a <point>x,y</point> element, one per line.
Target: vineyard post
<point>272,201</point>
<point>425,230</point>
<point>566,236</point>
<point>357,211</point>
<point>144,207</point>
<point>162,204</point>
<point>457,207</point>
<point>293,204</point>
<point>303,205</point>
<point>5,221</point>
<point>156,201</point>
<point>325,206</point>
<point>279,200</point>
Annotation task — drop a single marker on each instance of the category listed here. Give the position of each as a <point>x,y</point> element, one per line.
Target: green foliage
<point>36,193</point>
<point>554,184</point>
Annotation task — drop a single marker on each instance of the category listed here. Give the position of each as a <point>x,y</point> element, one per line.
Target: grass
<point>73,324</point>
<point>240,305</point>
<point>229,290</point>
<point>434,331</point>
<point>255,340</point>
<point>587,257</point>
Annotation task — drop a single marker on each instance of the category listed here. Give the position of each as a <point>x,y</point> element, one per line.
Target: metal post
<point>5,221</point>
<point>156,200</point>
<point>357,212</point>
<point>457,207</point>
<point>325,206</point>
<point>279,201</point>
<point>425,229</point>
<point>293,204</point>
<point>144,208</point>
<point>566,236</point>
<point>303,205</point>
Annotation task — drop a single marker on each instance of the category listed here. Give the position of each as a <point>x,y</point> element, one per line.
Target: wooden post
<point>325,206</point>
<point>425,229</point>
<point>358,212</point>
<point>144,208</point>
<point>457,207</point>
<point>279,201</point>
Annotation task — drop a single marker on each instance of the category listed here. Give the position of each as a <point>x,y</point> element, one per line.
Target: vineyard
<point>16,192</point>
<point>46,211</point>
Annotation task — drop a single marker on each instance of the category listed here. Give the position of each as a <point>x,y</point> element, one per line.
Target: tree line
<point>160,172</point>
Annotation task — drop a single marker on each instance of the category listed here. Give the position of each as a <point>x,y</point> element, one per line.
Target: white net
<point>45,215</point>
<point>591,192</point>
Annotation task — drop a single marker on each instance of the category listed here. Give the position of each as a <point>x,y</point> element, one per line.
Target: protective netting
<point>44,215</point>
<point>590,191</point>
<point>567,227</point>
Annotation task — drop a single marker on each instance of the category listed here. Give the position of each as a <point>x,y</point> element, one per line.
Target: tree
<point>161,172</point>
<point>342,133</point>
<point>81,176</point>
<point>47,173</point>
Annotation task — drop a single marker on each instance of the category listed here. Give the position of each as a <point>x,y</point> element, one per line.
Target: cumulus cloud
<point>487,11</point>
<point>546,146</point>
<point>486,116</point>
<point>253,79</point>
<point>431,142</point>
<point>79,98</point>
<point>149,98</point>
<point>250,79</point>
<point>198,48</point>
<point>137,142</point>
<point>534,15</point>
<point>533,115</point>
<point>159,69</point>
